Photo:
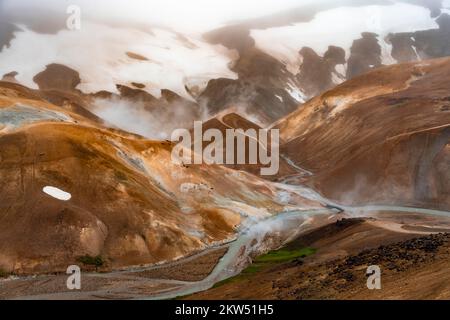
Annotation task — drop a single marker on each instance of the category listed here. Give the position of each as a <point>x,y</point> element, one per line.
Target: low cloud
<point>153,123</point>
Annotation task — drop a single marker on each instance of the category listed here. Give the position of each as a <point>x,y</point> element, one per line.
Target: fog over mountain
<point>195,15</point>
<point>268,57</point>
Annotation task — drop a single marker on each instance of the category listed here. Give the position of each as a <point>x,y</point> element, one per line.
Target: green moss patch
<point>268,260</point>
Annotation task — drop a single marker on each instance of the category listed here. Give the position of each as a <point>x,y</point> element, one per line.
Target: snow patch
<point>386,52</point>
<point>341,69</point>
<point>336,78</point>
<point>279,97</point>
<point>416,53</point>
<point>339,104</point>
<point>295,93</point>
<point>57,193</point>
<point>339,74</point>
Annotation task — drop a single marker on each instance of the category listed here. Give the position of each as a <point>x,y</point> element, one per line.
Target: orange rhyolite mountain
<point>382,137</point>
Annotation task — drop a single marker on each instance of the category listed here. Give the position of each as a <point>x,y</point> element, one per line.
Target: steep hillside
<point>382,137</point>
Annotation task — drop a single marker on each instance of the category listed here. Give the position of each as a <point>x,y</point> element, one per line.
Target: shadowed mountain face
<point>381,137</point>
<point>318,73</point>
<point>365,55</point>
<point>57,77</point>
<point>262,90</point>
<point>422,44</point>
<point>6,33</point>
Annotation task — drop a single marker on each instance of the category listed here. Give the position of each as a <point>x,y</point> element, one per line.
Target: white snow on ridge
<point>295,93</point>
<point>386,50</point>
<point>337,78</point>
<point>279,98</point>
<point>57,193</point>
<point>340,27</point>
<point>98,53</point>
<point>341,69</point>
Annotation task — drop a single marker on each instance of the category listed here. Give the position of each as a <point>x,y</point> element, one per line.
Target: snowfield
<point>165,60</point>
<point>57,193</point>
<point>340,27</point>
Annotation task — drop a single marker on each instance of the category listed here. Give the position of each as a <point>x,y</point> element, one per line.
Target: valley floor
<point>327,261</point>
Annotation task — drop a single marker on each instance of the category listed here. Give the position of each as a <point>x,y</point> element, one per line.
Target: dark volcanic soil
<point>412,267</point>
<point>345,278</point>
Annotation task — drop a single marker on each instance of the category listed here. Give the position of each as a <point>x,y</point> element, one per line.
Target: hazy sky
<point>195,15</point>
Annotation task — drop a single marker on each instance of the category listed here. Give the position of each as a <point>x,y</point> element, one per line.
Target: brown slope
<point>261,89</point>
<point>381,137</point>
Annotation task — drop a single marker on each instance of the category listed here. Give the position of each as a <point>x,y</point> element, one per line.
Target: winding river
<point>290,224</point>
